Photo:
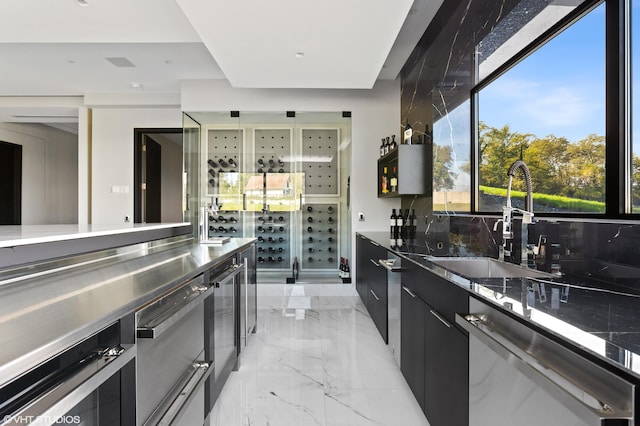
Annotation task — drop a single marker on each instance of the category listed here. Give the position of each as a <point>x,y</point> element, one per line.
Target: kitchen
<point>595,247</point>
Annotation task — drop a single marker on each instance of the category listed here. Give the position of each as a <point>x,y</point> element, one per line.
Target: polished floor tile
<point>316,359</point>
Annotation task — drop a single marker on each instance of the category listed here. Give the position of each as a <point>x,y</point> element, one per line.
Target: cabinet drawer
<point>444,296</point>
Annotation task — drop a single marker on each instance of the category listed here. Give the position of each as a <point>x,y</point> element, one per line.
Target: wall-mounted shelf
<point>413,170</point>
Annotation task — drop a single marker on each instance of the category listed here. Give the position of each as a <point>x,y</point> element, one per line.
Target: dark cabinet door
<point>446,374</point>
<point>362,267</point>
<point>413,312</point>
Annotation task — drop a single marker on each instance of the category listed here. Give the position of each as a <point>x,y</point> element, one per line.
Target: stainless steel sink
<point>485,267</point>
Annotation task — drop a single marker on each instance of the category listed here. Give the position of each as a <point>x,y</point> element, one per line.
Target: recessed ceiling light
<point>299,54</point>
<point>82,3</point>
<point>135,85</point>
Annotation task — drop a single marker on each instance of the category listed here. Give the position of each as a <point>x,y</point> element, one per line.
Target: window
<point>635,107</point>
<point>549,110</point>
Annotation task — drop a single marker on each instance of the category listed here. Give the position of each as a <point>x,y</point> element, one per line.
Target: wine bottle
<point>280,162</point>
<point>212,218</point>
<point>309,229</point>
<point>330,260</point>
<point>341,268</point>
<point>233,229</point>
<point>271,240</point>
<point>222,229</point>
<point>408,134</point>
<point>413,223</point>
<point>212,172</point>
<point>280,249</point>
<point>392,228</point>
<point>260,162</point>
<point>330,239</point>
<point>399,228</point>
<point>394,180</point>
<point>260,259</point>
<point>232,162</point>
<point>270,259</point>
<point>270,219</point>
<point>260,229</point>
<point>212,163</point>
<point>347,271</point>
<point>272,163</point>
<point>330,230</point>
<point>384,181</point>
<point>382,148</point>
<point>261,239</point>
<point>272,250</point>
<point>310,259</point>
<point>309,209</point>
<point>260,249</point>
<point>394,144</point>
<point>310,239</point>
<point>387,145</point>
<point>330,220</point>
<point>233,220</point>
<point>222,219</point>
<point>270,170</point>
<point>280,170</point>
<point>281,228</point>
<point>212,182</point>
<point>280,219</point>
<point>330,209</point>
<point>222,163</point>
<point>260,170</point>
<point>270,229</point>
<point>280,259</point>
<point>212,228</point>
<point>330,249</point>
<point>281,240</point>
<point>310,219</point>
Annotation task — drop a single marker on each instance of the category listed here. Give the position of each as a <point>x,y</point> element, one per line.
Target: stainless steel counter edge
<point>381,238</point>
<point>33,328</point>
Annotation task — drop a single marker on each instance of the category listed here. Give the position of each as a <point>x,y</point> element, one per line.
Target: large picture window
<point>635,107</point>
<point>549,110</point>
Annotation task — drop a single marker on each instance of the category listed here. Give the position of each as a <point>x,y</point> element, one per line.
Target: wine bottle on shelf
<point>260,229</point>
<point>270,229</point>
<point>281,170</point>
<point>272,250</point>
<point>260,170</point>
<point>280,259</point>
<point>280,162</point>
<point>382,148</point>
<point>428,135</point>
<point>271,240</point>
<point>330,209</point>
<point>270,259</point>
<point>394,144</point>
<point>399,227</point>
<point>212,172</point>
<point>330,220</point>
<point>310,259</point>
<point>212,163</point>
<point>393,182</point>
<point>260,259</point>
<point>309,229</point>
<point>347,271</point>
<point>387,145</point>
<point>233,229</point>
<point>261,239</point>
<point>310,250</point>
<point>309,209</point>
<point>330,249</point>
<point>330,230</point>
<point>270,170</point>
<point>260,249</point>
<point>222,229</point>
<point>392,228</point>
<point>212,228</point>
<point>260,162</point>
<point>281,240</point>
<point>310,219</point>
<point>280,249</point>
<point>232,162</point>
<point>280,219</point>
<point>233,220</point>
<point>383,183</point>
<point>222,163</point>
<point>222,219</point>
<point>408,134</point>
<point>272,163</point>
<point>330,260</point>
<point>330,239</point>
<point>212,219</point>
<point>341,268</point>
<point>310,239</point>
<point>212,182</point>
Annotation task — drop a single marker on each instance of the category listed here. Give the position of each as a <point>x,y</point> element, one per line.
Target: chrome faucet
<point>508,210</point>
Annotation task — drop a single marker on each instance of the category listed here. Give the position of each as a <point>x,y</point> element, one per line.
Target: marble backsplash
<point>587,252</point>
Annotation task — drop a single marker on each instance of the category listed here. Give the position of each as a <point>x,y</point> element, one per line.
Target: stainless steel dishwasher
<point>394,293</point>
<point>517,376</point>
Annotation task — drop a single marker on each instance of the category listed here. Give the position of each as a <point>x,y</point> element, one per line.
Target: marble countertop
<point>602,322</point>
<point>18,235</point>
<point>42,314</point>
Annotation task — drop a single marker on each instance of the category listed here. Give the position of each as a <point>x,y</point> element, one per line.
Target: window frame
<point>618,201</point>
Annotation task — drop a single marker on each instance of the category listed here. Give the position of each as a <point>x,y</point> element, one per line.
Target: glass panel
<point>635,107</point>
<point>191,172</point>
<point>451,163</point>
<point>549,110</point>
<point>284,191</point>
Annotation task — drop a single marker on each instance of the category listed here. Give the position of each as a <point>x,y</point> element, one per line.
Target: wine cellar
<point>282,185</point>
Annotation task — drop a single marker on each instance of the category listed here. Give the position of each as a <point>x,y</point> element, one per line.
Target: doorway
<point>10,184</point>
<point>158,175</point>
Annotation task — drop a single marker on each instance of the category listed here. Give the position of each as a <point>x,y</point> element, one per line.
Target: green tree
<point>547,160</point>
<point>443,175</point>
<point>635,184</point>
<point>587,168</point>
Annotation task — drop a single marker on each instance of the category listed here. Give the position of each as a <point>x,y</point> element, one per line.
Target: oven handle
<point>161,322</point>
<point>59,400</point>
<point>573,396</point>
<point>173,407</point>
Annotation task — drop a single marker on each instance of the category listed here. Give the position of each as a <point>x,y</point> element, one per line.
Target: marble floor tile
<point>316,359</point>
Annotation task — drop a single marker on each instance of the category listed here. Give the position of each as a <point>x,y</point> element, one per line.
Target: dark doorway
<point>10,184</point>
<point>155,202</point>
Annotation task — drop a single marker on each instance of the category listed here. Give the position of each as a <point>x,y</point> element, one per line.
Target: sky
<point>559,89</point>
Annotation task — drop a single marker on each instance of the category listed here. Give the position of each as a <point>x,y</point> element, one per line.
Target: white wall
<point>375,114</point>
<point>112,156</point>
<point>49,172</point>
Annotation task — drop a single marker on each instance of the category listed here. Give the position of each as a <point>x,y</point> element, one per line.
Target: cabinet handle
<point>374,262</point>
<point>412,294</point>
<point>442,320</point>
<point>374,295</point>
<point>374,243</point>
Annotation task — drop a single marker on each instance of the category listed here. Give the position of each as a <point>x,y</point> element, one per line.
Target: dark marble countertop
<point>602,322</point>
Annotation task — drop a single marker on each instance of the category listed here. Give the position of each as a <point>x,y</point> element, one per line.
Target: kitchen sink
<point>485,267</point>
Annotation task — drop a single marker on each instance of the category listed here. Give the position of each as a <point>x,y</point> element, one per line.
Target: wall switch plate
<point>360,217</point>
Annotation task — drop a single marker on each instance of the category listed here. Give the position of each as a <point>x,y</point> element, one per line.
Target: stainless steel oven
<point>171,364</point>
<point>88,384</point>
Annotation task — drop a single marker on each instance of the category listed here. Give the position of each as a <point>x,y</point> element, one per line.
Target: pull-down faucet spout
<point>508,210</point>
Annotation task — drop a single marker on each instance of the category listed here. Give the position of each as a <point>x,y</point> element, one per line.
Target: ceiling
<point>60,48</point>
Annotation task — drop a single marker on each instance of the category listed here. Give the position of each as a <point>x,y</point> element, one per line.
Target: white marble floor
<point>316,359</point>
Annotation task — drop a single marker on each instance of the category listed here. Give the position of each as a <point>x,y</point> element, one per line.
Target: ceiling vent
<point>121,62</point>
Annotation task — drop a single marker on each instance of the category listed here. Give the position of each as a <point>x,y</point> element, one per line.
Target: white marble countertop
<point>19,235</point>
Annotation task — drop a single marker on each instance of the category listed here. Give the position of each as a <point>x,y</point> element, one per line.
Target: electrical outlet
<point>361,217</point>
<point>127,219</point>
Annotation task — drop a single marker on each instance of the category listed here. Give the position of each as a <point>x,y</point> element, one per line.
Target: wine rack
<point>320,232</point>
<point>272,150</point>
<point>413,166</point>
<point>224,149</point>
<point>273,231</point>
<point>320,161</point>
<point>226,224</point>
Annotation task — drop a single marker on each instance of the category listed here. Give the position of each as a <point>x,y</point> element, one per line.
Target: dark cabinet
<point>410,167</point>
<point>446,372</point>
<point>413,311</point>
<point>371,282</point>
<point>435,352</point>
